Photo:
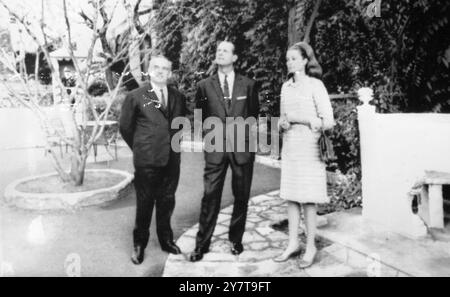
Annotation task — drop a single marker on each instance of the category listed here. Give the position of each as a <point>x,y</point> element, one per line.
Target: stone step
<point>370,245</point>
<point>362,264</point>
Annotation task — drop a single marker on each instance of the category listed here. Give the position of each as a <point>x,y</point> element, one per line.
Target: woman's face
<point>295,61</point>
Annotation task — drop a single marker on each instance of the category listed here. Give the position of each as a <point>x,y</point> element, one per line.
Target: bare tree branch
<point>42,22</point>
<point>87,20</point>
<point>144,12</point>
<point>136,22</point>
<point>83,138</point>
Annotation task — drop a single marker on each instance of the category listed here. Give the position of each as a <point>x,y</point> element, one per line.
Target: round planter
<point>16,196</point>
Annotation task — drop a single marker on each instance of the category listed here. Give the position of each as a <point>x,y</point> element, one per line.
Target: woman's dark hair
<point>312,67</point>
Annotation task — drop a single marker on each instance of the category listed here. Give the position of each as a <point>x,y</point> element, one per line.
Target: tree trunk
<point>301,20</point>
<point>78,166</point>
<point>310,25</point>
<point>292,26</point>
<point>57,164</point>
<point>297,21</point>
<point>78,148</point>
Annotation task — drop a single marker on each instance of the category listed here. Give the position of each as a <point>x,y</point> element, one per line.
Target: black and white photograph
<point>212,140</point>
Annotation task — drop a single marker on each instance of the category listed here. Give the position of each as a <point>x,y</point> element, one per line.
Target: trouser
<point>155,185</point>
<point>213,179</point>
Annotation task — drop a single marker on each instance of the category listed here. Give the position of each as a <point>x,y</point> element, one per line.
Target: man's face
<point>159,70</point>
<point>224,54</point>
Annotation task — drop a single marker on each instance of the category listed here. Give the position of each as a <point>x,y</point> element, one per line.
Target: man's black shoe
<point>137,256</point>
<point>171,248</point>
<point>197,254</point>
<point>236,248</point>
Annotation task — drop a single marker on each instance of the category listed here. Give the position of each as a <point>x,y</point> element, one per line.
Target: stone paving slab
<point>261,244</point>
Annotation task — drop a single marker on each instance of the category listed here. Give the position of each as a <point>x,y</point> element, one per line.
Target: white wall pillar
<point>367,136</point>
<point>389,162</point>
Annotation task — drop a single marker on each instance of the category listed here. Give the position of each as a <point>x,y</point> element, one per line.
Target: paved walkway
<point>99,238</point>
<point>261,243</point>
<point>348,246</point>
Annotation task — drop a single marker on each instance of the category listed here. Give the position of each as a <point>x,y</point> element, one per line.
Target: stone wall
<point>21,128</point>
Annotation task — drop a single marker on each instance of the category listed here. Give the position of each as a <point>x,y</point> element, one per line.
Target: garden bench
<point>432,203</point>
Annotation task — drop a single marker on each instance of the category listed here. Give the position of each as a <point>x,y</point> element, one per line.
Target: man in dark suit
<point>226,95</point>
<point>145,125</point>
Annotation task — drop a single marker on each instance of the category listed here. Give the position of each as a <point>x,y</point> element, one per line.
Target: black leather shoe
<point>197,254</point>
<point>137,256</point>
<point>236,248</point>
<point>171,248</point>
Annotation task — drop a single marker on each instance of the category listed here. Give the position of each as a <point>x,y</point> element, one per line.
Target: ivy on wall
<point>401,54</point>
<point>188,32</point>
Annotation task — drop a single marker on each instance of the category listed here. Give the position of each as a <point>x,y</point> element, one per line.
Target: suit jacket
<point>244,103</point>
<point>146,128</point>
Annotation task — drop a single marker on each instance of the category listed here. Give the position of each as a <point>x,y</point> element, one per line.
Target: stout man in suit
<point>145,125</point>
<point>226,95</point>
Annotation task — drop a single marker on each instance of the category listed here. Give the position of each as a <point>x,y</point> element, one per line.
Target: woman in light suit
<point>305,110</point>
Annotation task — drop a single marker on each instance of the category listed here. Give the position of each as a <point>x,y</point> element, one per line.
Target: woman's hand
<point>283,123</point>
<point>315,124</point>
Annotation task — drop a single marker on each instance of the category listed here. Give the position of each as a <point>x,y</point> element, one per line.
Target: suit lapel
<point>216,85</point>
<point>151,93</point>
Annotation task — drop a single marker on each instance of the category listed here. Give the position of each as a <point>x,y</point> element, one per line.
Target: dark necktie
<point>226,92</point>
<point>163,99</point>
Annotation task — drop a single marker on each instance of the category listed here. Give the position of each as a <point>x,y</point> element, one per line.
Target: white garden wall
<point>21,128</point>
<point>396,149</point>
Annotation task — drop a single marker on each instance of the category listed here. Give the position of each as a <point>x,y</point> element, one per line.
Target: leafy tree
<point>258,28</point>
<point>399,54</point>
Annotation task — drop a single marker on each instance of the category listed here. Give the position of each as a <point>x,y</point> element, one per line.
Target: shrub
<point>345,136</point>
<point>97,88</point>
<point>344,191</point>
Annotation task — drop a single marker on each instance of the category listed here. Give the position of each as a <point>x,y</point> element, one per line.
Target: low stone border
<point>65,201</point>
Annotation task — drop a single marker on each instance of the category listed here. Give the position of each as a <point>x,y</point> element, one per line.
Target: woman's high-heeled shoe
<point>282,258</point>
<point>302,264</point>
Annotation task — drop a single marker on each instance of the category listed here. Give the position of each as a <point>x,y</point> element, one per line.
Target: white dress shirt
<point>230,80</point>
